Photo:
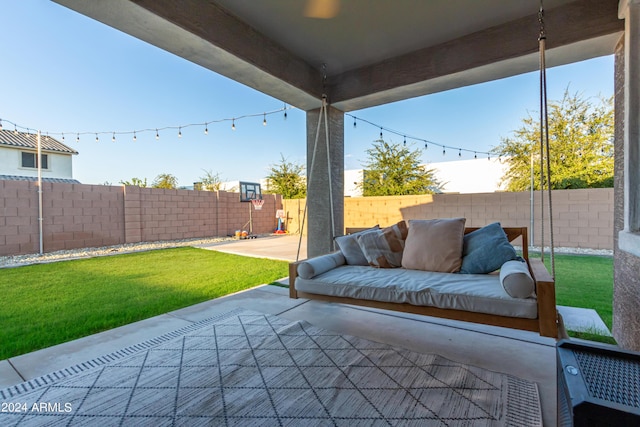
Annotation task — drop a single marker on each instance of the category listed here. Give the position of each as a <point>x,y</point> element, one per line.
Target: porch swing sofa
<point>393,275</point>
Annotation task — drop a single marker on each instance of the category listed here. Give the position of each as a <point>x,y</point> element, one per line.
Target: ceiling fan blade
<point>322,9</point>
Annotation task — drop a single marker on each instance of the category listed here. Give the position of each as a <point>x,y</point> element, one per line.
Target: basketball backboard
<point>250,191</point>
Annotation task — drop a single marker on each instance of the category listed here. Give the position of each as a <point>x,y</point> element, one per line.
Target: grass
<point>587,282</point>
<point>48,304</point>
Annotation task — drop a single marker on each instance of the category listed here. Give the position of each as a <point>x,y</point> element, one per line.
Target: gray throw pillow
<point>516,279</point>
<point>486,249</point>
<point>350,248</point>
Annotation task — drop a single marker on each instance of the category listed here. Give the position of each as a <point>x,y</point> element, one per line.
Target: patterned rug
<point>246,368</point>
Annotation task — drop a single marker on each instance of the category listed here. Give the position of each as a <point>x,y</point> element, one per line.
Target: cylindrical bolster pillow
<point>318,265</point>
<point>516,279</point>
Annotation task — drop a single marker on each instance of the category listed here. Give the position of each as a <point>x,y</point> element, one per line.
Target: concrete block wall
<point>78,216</point>
<point>582,218</point>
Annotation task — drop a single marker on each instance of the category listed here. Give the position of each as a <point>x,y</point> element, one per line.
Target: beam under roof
<point>206,34</point>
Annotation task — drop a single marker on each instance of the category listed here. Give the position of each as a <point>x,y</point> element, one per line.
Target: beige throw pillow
<point>434,245</point>
<point>383,248</point>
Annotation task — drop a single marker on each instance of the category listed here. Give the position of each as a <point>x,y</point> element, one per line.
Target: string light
<point>264,115</point>
<point>180,132</point>
<point>97,140</point>
<point>404,136</point>
<point>264,120</point>
<point>113,137</point>
<point>405,141</point>
<point>233,124</point>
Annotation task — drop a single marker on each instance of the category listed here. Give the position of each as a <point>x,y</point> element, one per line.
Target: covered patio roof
<point>375,51</point>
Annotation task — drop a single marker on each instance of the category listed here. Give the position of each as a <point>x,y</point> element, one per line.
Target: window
<point>29,160</point>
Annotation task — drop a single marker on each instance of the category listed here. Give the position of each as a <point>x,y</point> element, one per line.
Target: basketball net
<point>257,204</point>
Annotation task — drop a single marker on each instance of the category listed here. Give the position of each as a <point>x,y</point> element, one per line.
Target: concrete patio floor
<point>522,354</point>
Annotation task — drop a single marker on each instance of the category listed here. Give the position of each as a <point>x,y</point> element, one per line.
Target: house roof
<point>10,138</point>
<point>33,178</point>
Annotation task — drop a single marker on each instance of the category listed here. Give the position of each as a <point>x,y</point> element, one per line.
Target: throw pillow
<point>351,250</point>
<point>486,249</point>
<point>434,245</point>
<point>516,279</point>
<point>316,266</point>
<point>383,248</point>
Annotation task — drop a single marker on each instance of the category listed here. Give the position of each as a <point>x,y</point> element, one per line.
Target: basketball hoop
<point>257,204</point>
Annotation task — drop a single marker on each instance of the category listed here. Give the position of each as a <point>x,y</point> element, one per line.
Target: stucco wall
<point>582,218</point>
<point>60,165</point>
<point>77,215</point>
<point>626,280</point>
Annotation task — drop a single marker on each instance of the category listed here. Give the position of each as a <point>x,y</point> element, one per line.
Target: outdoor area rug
<point>247,368</point>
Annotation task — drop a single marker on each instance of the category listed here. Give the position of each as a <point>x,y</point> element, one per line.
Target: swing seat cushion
<point>482,293</point>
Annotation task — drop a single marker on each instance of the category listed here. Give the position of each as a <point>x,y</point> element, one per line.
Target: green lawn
<point>587,282</point>
<point>48,304</point>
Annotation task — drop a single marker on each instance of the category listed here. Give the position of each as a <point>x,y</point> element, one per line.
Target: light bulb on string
<point>15,130</point>
<point>285,111</point>
<point>135,138</point>
<point>179,132</point>
<point>77,137</point>
<point>488,156</point>
<point>264,120</point>
<point>459,153</point>
<point>405,141</point>
<point>113,137</point>
<point>233,124</point>
<point>425,146</point>
<point>475,155</point>
<point>62,136</point>
<point>443,151</point>
<point>46,138</point>
<point>97,140</point>
<point>206,129</point>
<point>354,122</point>
<point>157,135</point>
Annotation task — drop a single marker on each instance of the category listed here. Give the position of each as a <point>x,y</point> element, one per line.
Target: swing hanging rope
<point>544,143</point>
<point>322,115</point>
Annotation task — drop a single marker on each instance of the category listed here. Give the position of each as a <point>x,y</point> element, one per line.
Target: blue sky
<point>64,72</point>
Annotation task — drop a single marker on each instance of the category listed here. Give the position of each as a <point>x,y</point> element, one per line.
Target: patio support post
<point>626,288</point>
<point>319,233</point>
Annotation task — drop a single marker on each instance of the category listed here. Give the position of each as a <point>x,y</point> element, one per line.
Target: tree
<point>209,182</point>
<point>580,146</point>
<point>165,180</point>
<point>287,178</point>
<point>136,182</point>
<point>393,170</point>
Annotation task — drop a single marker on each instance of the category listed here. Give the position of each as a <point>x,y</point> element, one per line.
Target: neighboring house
<point>18,158</point>
<point>458,176</point>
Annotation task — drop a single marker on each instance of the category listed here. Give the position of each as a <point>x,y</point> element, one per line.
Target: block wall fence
<point>79,215</point>
<point>582,218</point>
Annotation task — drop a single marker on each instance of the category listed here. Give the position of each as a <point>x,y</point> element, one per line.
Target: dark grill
<point>611,378</point>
